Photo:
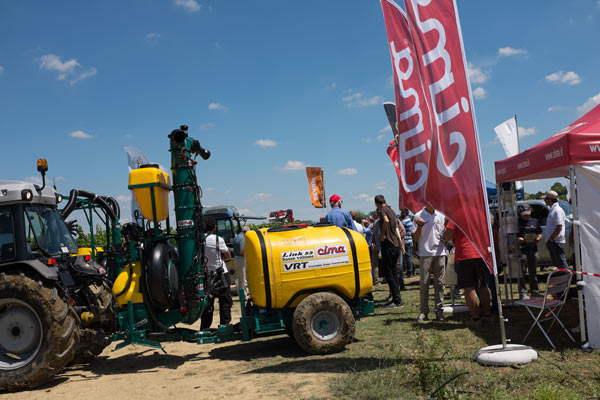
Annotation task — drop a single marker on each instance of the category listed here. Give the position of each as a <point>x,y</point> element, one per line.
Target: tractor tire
<point>323,324</point>
<point>39,332</point>
<point>89,346</point>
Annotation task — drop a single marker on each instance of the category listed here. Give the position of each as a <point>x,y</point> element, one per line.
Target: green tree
<point>560,189</point>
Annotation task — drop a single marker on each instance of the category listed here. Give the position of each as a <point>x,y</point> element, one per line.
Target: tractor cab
<point>30,225</point>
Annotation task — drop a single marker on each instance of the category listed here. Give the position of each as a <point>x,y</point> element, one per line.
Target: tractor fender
<point>42,269</point>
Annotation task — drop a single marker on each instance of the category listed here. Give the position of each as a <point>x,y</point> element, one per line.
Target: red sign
<point>578,143</point>
<point>411,151</point>
<point>455,179</point>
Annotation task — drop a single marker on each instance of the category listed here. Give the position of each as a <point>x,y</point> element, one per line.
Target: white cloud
<point>332,85</point>
<point>189,5</point>
<point>265,143</point>
<point>207,125</point>
<point>480,93</point>
<point>569,78</point>
<point>294,166</point>
<point>81,135</point>
<point>245,211</point>
<point>477,75</point>
<point>85,74</point>
<point>381,137</point>
<point>152,38</point>
<point>1,69</point>
<point>347,171</point>
<point>70,68</point>
<point>362,196</point>
<point>523,132</point>
<point>53,62</point>
<point>128,136</point>
<point>217,106</point>
<point>124,197</point>
<point>367,140</point>
<point>589,104</point>
<point>509,51</point>
<point>380,185</point>
<point>554,108</point>
<point>209,189</point>
<point>262,196</point>
<point>385,129</point>
<point>356,99</point>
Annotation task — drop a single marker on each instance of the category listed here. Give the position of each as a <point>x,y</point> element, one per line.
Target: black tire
<point>323,324</point>
<point>89,346</point>
<point>52,322</point>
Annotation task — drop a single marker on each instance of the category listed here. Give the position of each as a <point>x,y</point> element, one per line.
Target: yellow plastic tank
<point>133,292</point>
<point>87,251</point>
<point>281,262</point>
<point>146,179</point>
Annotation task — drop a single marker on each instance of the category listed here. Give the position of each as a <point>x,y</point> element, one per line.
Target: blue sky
<point>268,87</point>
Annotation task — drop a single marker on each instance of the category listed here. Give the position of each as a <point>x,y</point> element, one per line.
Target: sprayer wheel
<point>43,331</point>
<point>323,324</point>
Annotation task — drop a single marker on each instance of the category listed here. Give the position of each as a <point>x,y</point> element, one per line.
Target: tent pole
<point>577,245</point>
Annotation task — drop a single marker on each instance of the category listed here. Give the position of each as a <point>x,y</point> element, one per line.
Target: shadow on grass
<point>329,364</point>
<point>519,322</point>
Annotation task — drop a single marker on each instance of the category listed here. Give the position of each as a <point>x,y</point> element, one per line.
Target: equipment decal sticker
<point>332,250</point>
<point>312,264</point>
<point>297,255</point>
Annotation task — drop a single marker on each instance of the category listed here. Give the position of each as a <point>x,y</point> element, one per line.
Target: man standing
<point>408,265</point>
<point>530,232</point>
<point>337,216</point>
<point>555,230</point>
<point>240,261</point>
<point>390,248</point>
<point>432,257</point>
<point>470,274</point>
<point>216,252</point>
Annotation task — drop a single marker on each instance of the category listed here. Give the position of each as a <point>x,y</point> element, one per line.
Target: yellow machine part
<point>153,179</point>
<point>133,293</point>
<point>281,263</point>
<point>87,251</point>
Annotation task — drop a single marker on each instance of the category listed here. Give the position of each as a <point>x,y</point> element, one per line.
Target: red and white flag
<point>455,183</point>
<point>410,152</point>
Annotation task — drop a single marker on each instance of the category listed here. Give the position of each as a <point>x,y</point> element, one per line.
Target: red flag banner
<point>410,153</point>
<point>315,182</point>
<point>455,180</point>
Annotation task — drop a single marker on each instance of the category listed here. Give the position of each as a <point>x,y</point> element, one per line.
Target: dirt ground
<point>250,370</point>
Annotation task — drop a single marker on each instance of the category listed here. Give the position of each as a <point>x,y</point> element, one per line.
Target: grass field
<point>396,357</point>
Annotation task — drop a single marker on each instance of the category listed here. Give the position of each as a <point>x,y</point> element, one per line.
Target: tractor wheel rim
<point>20,333</point>
<point>325,325</point>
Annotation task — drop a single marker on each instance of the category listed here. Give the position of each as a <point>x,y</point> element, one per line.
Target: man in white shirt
<point>219,277</point>
<point>430,226</point>
<point>555,230</point>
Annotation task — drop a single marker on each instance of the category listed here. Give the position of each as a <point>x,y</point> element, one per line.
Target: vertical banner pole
<point>577,243</point>
<point>324,202</point>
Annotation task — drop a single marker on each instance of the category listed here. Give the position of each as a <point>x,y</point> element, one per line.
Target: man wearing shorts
<point>471,273</point>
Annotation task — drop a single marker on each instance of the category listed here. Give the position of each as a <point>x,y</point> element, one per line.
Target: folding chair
<point>550,307</point>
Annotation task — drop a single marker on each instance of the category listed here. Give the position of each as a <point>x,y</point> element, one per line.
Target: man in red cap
<point>337,216</point>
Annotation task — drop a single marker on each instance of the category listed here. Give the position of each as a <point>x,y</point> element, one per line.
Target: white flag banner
<point>135,158</point>
<point>508,135</point>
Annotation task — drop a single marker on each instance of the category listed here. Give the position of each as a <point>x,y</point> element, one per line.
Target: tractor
<point>49,295</point>
<point>307,282</point>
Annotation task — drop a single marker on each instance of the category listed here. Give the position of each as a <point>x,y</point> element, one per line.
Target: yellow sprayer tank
<point>281,262</point>
<point>133,291</point>
<point>148,180</point>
